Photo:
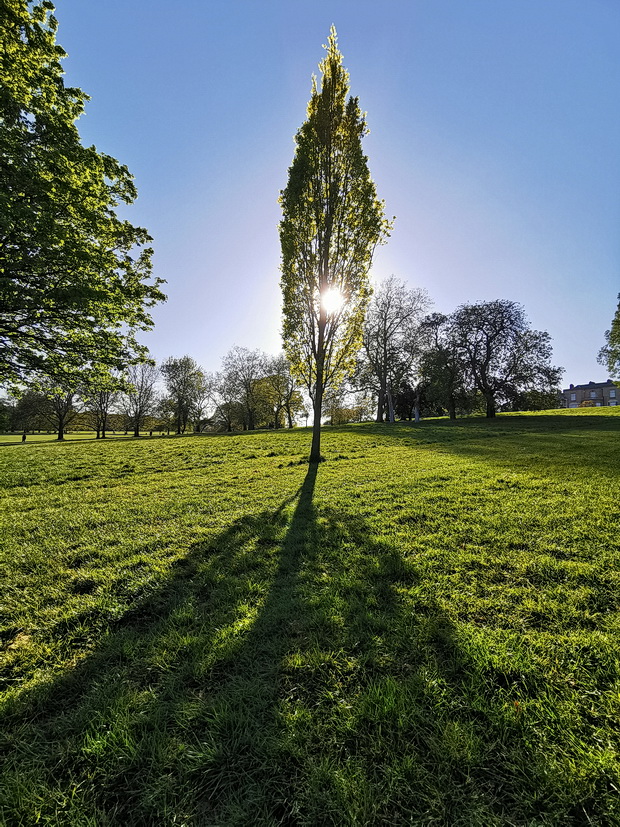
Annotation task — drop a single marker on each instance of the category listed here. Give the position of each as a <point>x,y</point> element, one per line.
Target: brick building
<point>592,395</point>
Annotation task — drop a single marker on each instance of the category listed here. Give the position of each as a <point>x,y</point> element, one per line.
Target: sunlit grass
<point>422,630</point>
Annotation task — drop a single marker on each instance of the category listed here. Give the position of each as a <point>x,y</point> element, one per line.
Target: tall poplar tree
<point>332,221</point>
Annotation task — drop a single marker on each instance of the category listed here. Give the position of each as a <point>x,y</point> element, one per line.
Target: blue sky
<point>495,136</point>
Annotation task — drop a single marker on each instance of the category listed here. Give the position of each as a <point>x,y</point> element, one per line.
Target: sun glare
<point>332,300</point>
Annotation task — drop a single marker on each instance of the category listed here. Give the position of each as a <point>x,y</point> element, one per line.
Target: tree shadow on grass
<point>557,444</point>
<point>293,670</point>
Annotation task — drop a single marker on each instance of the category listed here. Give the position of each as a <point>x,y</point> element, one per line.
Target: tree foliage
<point>391,343</point>
<point>609,354</point>
<point>332,221</point>
<point>27,413</point>
<point>99,404</point>
<point>141,399</point>
<point>228,410</point>
<point>187,387</point>
<point>74,277</point>
<point>242,369</point>
<point>49,406</point>
<point>443,367</point>
<point>255,390</point>
<point>280,391</point>
<point>503,356</point>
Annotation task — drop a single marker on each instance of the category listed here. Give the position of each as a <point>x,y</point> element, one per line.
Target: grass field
<point>72,436</point>
<point>422,630</point>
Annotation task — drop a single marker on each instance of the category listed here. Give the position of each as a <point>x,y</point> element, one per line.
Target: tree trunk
<point>451,408</point>
<point>315,451</point>
<point>491,410</point>
<point>390,402</point>
<point>381,402</point>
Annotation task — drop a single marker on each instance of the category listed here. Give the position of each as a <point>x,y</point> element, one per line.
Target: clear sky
<point>495,141</point>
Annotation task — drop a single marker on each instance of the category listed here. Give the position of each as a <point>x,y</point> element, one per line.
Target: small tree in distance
<point>282,390</point>
<point>443,367</point>
<point>332,221</point>
<point>390,340</point>
<point>503,356</point>
<point>99,404</point>
<point>185,383</point>
<point>242,368</point>
<point>58,405</point>
<point>140,400</point>
<point>609,354</point>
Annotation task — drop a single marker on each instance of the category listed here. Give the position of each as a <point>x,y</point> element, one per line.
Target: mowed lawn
<point>422,630</point>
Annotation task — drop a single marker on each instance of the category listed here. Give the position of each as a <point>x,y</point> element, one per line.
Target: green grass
<point>422,630</point>
<point>42,436</point>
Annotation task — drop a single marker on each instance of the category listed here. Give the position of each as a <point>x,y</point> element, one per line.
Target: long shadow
<point>552,442</point>
<point>68,440</point>
<point>293,670</point>
<point>200,617</point>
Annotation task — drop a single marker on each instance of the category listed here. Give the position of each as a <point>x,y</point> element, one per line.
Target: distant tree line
<point>482,358</point>
<point>252,390</point>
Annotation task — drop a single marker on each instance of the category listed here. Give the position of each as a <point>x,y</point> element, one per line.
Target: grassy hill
<point>424,629</point>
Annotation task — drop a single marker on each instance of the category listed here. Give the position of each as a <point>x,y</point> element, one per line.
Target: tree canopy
<point>75,279</point>
<point>503,355</point>
<point>443,366</point>
<point>187,387</point>
<point>390,339</point>
<point>609,354</point>
<point>332,221</point>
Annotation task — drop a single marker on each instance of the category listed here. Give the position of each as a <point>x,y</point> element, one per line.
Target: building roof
<point>589,386</point>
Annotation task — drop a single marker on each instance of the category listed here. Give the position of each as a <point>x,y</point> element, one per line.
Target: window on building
<point>592,394</point>
<point>612,393</point>
<point>573,397</point>
<point>613,402</point>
